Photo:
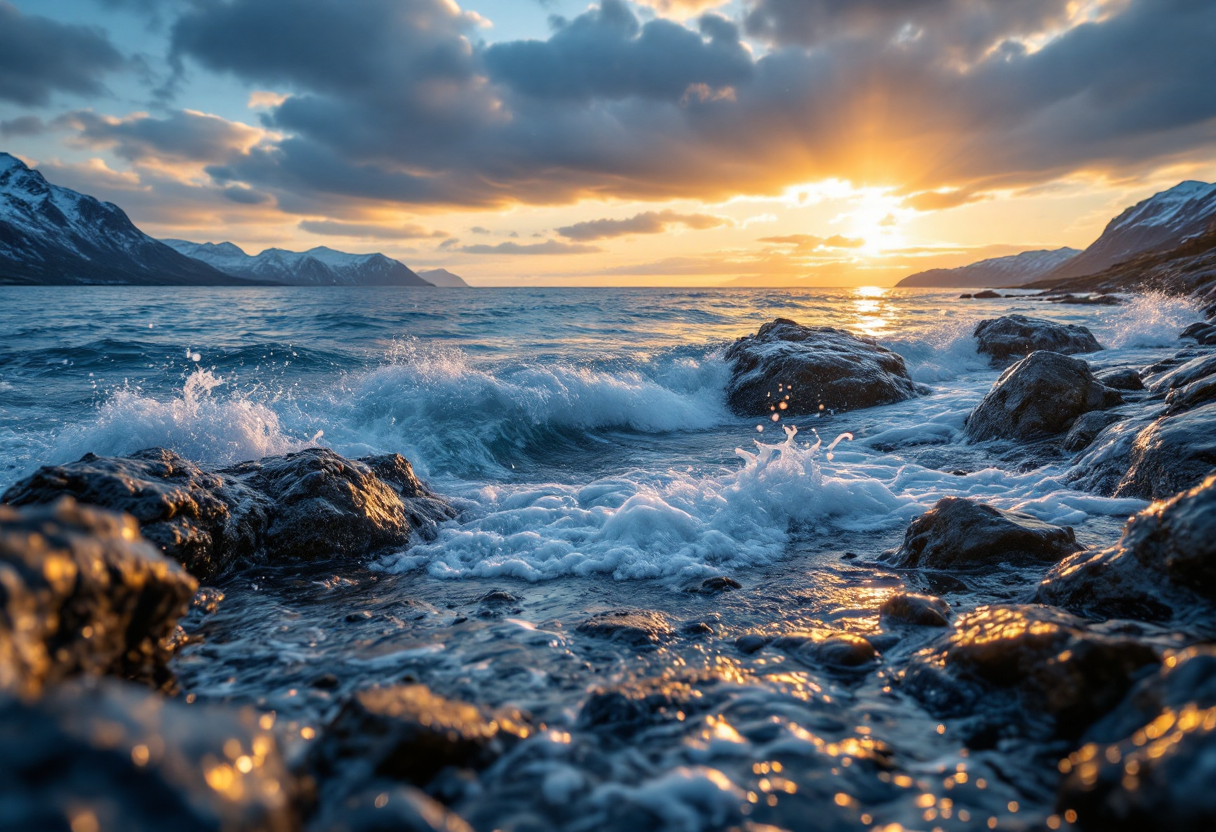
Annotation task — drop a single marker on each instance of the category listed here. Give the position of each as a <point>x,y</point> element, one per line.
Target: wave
<point>1147,320</point>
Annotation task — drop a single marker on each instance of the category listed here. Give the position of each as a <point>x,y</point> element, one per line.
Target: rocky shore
<point>1084,674</point>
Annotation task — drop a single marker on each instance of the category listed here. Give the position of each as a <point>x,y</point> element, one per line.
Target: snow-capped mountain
<point>319,266</point>
<point>53,235</point>
<point>444,278</point>
<point>1159,223</point>
<point>1013,270</point>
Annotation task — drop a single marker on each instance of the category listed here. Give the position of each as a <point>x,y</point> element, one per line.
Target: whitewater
<point>581,432</point>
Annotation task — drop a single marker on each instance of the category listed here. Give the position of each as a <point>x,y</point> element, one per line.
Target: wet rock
<point>408,733</point>
<point>1042,661</point>
<point>1197,393</point>
<point>1203,332</point>
<point>635,627</point>
<point>829,648</point>
<point>1180,372</point>
<point>965,297</point>
<point>498,603</point>
<point>1013,336</point>
<point>1086,300</point>
<point>1149,764</point>
<point>626,708</point>
<point>987,294</point>
<point>917,610</point>
<point>82,592</point>
<point>1122,380</point>
<point>1087,427</point>
<point>752,643</point>
<point>309,505</point>
<point>716,584</point>
<point>959,533</point>
<point>1041,395</point>
<point>1171,454</point>
<point>110,756</point>
<point>1163,566</point>
<point>394,808</point>
<point>797,370</point>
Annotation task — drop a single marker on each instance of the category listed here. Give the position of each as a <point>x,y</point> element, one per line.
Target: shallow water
<point>585,437</point>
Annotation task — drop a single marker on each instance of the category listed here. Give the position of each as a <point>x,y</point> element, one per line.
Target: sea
<point>584,436</point>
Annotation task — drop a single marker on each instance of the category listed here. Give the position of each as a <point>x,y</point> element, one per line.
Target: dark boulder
<point>797,370</point>
<point>1128,379</point>
<point>916,610</point>
<point>986,294</point>
<point>958,534</point>
<point>1086,300</point>
<point>309,505</point>
<point>1171,454</point>
<point>1041,395</point>
<point>1149,764</point>
<point>1163,566</point>
<point>1203,332</point>
<point>639,628</point>
<point>1030,659</point>
<point>1014,336</point>
<point>407,733</point>
<point>82,592</point>
<point>1086,429</point>
<point>110,756</point>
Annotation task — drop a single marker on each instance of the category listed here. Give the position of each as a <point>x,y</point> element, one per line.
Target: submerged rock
<point>109,756</point>
<point>82,592</point>
<point>636,627</point>
<point>408,733</point>
<point>1041,395</point>
<point>1150,763</point>
<point>798,370</point>
<point>960,533</point>
<point>303,506</point>
<point>986,294</point>
<point>1163,566</point>
<point>1013,336</point>
<point>916,610</point>
<point>1046,661</point>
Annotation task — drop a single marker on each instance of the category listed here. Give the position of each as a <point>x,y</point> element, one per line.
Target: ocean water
<point>584,435</point>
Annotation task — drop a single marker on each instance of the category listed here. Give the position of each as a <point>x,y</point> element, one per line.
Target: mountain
<point>53,235</point>
<point>1159,223</point>
<point>319,266</point>
<point>998,271</point>
<point>443,277</point>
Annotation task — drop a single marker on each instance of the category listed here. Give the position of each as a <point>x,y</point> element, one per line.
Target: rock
<point>1198,392</point>
<point>82,592</point>
<point>1086,300</point>
<point>625,708</point>
<point>1172,454</point>
<point>1203,332</point>
<point>965,297</point>
<point>1086,429</point>
<point>959,533</point>
<point>394,808</point>
<point>1180,374</point>
<point>1163,566</point>
<point>309,505</point>
<point>829,648</point>
<point>1013,336</point>
<point>987,294</point>
<point>1041,395</point>
<point>1049,663</point>
<point>916,610</point>
<point>1122,380</point>
<point>1149,764</point>
<point>639,628</point>
<point>752,643</point>
<point>407,733</point>
<point>110,756</point>
<point>798,370</point>
<point>716,584</point>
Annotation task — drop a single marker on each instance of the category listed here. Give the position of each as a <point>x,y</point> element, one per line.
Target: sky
<point>653,142</point>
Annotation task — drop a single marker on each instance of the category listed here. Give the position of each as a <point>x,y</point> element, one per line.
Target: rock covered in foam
<point>1012,336</point>
<point>1041,395</point>
<point>308,505</point>
<point>108,756</point>
<point>82,592</point>
<point>1150,764</point>
<point>1040,661</point>
<point>798,370</point>
<point>960,533</point>
<point>1163,566</point>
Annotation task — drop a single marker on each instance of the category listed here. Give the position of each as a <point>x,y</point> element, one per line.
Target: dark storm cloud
<point>180,136</point>
<point>22,126</point>
<point>648,222</point>
<point>39,57</point>
<point>395,101</point>
<point>607,54</point>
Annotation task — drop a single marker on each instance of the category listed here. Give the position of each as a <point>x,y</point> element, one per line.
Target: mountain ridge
<point>319,266</point>
<point>1011,270</point>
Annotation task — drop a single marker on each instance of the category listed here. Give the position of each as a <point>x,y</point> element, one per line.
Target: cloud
<point>397,102</point>
<point>182,136</point>
<point>547,247</point>
<point>808,242</point>
<point>334,228</point>
<point>941,200</point>
<point>39,57</point>
<point>649,222</point>
<point>22,126</point>
<point>682,8</point>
